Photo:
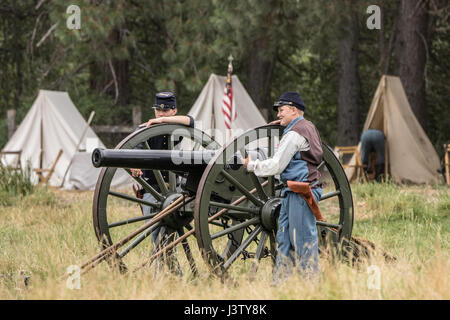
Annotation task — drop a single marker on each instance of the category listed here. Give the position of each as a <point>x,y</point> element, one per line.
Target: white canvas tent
<point>207,110</point>
<point>410,156</point>
<point>53,123</point>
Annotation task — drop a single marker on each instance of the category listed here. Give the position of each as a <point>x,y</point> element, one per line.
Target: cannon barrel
<point>175,160</point>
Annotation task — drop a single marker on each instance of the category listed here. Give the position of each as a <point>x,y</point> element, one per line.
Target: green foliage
<point>17,188</point>
<point>175,45</point>
<point>401,215</point>
<point>3,132</point>
<point>105,111</point>
<point>14,184</point>
<point>438,92</point>
<point>393,204</point>
<point>93,41</point>
<point>43,197</point>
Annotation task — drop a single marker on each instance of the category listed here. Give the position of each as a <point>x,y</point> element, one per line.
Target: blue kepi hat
<point>291,99</point>
<point>165,100</point>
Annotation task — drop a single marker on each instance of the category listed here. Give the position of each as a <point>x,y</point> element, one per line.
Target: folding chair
<point>359,167</point>
<point>40,172</point>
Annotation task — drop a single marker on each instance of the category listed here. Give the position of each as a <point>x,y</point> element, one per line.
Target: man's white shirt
<point>290,144</point>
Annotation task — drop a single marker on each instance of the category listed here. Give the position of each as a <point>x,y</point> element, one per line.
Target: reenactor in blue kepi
<point>296,161</point>
<point>165,108</point>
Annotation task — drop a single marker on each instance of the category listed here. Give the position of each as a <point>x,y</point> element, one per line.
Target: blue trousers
<point>372,141</point>
<point>162,236</point>
<point>297,237</point>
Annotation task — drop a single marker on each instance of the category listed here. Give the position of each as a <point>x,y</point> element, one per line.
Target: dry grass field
<point>45,232</point>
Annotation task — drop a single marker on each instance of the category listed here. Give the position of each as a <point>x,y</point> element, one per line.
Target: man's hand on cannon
<point>136,172</point>
<point>154,121</point>
<point>184,120</point>
<point>246,161</point>
<point>275,122</point>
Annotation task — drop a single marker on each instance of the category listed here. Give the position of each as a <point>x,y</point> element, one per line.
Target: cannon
<point>210,200</point>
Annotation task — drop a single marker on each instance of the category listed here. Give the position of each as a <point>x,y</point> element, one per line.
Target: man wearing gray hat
<point>297,158</point>
<point>165,108</point>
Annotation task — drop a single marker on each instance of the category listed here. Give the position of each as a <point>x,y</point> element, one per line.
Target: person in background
<point>373,140</point>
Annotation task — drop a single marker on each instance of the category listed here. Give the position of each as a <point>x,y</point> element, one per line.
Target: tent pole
<point>213,123</point>
<point>386,149</point>
<point>76,148</point>
<point>386,165</point>
<point>41,153</point>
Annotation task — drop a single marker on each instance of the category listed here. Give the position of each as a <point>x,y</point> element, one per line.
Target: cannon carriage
<point>209,197</point>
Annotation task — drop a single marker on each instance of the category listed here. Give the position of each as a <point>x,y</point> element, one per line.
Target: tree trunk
<point>18,57</point>
<point>122,74</point>
<point>349,92</point>
<point>11,118</point>
<point>137,116</point>
<point>386,40</point>
<point>262,62</point>
<point>112,81</point>
<point>411,54</point>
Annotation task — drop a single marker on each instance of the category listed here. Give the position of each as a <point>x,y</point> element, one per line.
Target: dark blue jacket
<point>160,143</point>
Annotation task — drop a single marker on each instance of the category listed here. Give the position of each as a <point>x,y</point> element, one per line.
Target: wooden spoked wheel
<point>117,212</point>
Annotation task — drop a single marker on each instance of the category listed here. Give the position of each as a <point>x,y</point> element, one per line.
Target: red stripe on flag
<point>227,105</point>
<point>227,115</point>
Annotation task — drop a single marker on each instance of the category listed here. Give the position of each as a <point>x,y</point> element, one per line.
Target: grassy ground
<point>43,233</point>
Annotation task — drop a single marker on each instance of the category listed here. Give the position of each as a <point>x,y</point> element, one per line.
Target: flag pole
<point>230,71</point>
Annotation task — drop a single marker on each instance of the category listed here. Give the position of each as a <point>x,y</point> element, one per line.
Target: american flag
<point>227,101</point>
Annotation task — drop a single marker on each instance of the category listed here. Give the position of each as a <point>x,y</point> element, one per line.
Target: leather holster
<point>304,190</point>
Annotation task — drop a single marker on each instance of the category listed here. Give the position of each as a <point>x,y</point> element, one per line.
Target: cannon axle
<point>180,218</point>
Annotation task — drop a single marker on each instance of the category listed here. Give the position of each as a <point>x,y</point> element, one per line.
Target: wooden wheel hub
<point>179,218</point>
<point>269,214</point>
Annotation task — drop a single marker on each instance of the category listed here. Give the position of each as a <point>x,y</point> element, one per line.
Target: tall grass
<point>394,215</point>
<point>42,235</point>
<point>14,184</point>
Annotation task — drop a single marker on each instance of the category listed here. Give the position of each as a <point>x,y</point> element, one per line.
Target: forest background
<point>126,51</point>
